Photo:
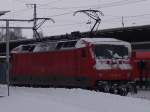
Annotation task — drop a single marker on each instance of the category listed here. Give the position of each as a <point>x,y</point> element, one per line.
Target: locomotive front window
<point>111,51</point>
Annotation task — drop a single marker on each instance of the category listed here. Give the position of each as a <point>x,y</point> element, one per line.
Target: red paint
<point>68,63</point>
<point>139,56</point>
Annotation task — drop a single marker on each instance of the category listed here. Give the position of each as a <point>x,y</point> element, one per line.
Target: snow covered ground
<point>143,94</point>
<point>68,100</point>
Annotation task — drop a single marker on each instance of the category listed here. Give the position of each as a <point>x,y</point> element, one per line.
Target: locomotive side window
<point>51,46</point>
<point>59,45</point>
<point>28,48</point>
<point>70,44</point>
<point>17,49</point>
<point>66,45</point>
<point>24,48</point>
<point>40,48</point>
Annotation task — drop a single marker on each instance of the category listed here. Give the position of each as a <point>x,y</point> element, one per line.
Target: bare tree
<point>15,34</point>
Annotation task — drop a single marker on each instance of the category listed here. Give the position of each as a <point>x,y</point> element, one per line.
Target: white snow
<point>68,100</point>
<point>105,40</point>
<point>143,94</point>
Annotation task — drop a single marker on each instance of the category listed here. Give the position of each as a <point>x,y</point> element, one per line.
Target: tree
<point>15,34</point>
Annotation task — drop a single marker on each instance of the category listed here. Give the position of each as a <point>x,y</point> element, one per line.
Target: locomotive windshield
<point>111,51</point>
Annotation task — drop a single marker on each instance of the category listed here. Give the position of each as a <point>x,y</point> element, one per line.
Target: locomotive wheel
<point>103,88</point>
<point>112,90</point>
<point>132,88</point>
<point>100,89</point>
<point>106,89</point>
<point>122,91</point>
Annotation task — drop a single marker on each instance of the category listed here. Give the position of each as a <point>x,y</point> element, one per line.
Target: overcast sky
<point>135,12</point>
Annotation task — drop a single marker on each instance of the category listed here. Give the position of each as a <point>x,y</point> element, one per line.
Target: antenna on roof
<point>94,14</point>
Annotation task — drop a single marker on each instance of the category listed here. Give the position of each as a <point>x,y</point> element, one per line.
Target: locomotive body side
<point>98,63</point>
<point>56,68</point>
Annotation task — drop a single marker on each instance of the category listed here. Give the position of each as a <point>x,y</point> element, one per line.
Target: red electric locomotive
<point>97,63</point>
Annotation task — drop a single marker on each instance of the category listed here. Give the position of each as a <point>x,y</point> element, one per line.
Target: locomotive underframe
<point>121,87</point>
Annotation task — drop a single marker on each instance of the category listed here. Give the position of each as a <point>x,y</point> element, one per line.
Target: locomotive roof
<point>57,45</point>
<point>105,40</point>
<point>101,40</point>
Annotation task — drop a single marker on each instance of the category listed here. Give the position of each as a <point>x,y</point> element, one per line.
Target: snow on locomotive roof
<point>101,40</point>
<point>112,41</point>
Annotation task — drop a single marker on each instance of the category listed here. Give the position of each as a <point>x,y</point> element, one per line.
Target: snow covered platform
<point>68,100</point>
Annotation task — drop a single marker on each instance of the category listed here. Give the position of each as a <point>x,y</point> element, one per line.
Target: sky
<point>134,12</point>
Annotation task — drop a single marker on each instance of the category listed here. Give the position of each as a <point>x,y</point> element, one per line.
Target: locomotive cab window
<point>111,51</point>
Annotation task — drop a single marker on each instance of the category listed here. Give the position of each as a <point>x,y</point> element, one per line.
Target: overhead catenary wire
<point>26,9</point>
<point>69,24</point>
<point>104,5</point>
<point>111,4</point>
<point>17,12</point>
<point>120,3</point>
<point>21,1</point>
<point>112,20</point>
<point>97,6</point>
<point>115,20</point>
<point>38,5</point>
<point>48,3</point>
<point>62,14</point>
<point>142,16</point>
